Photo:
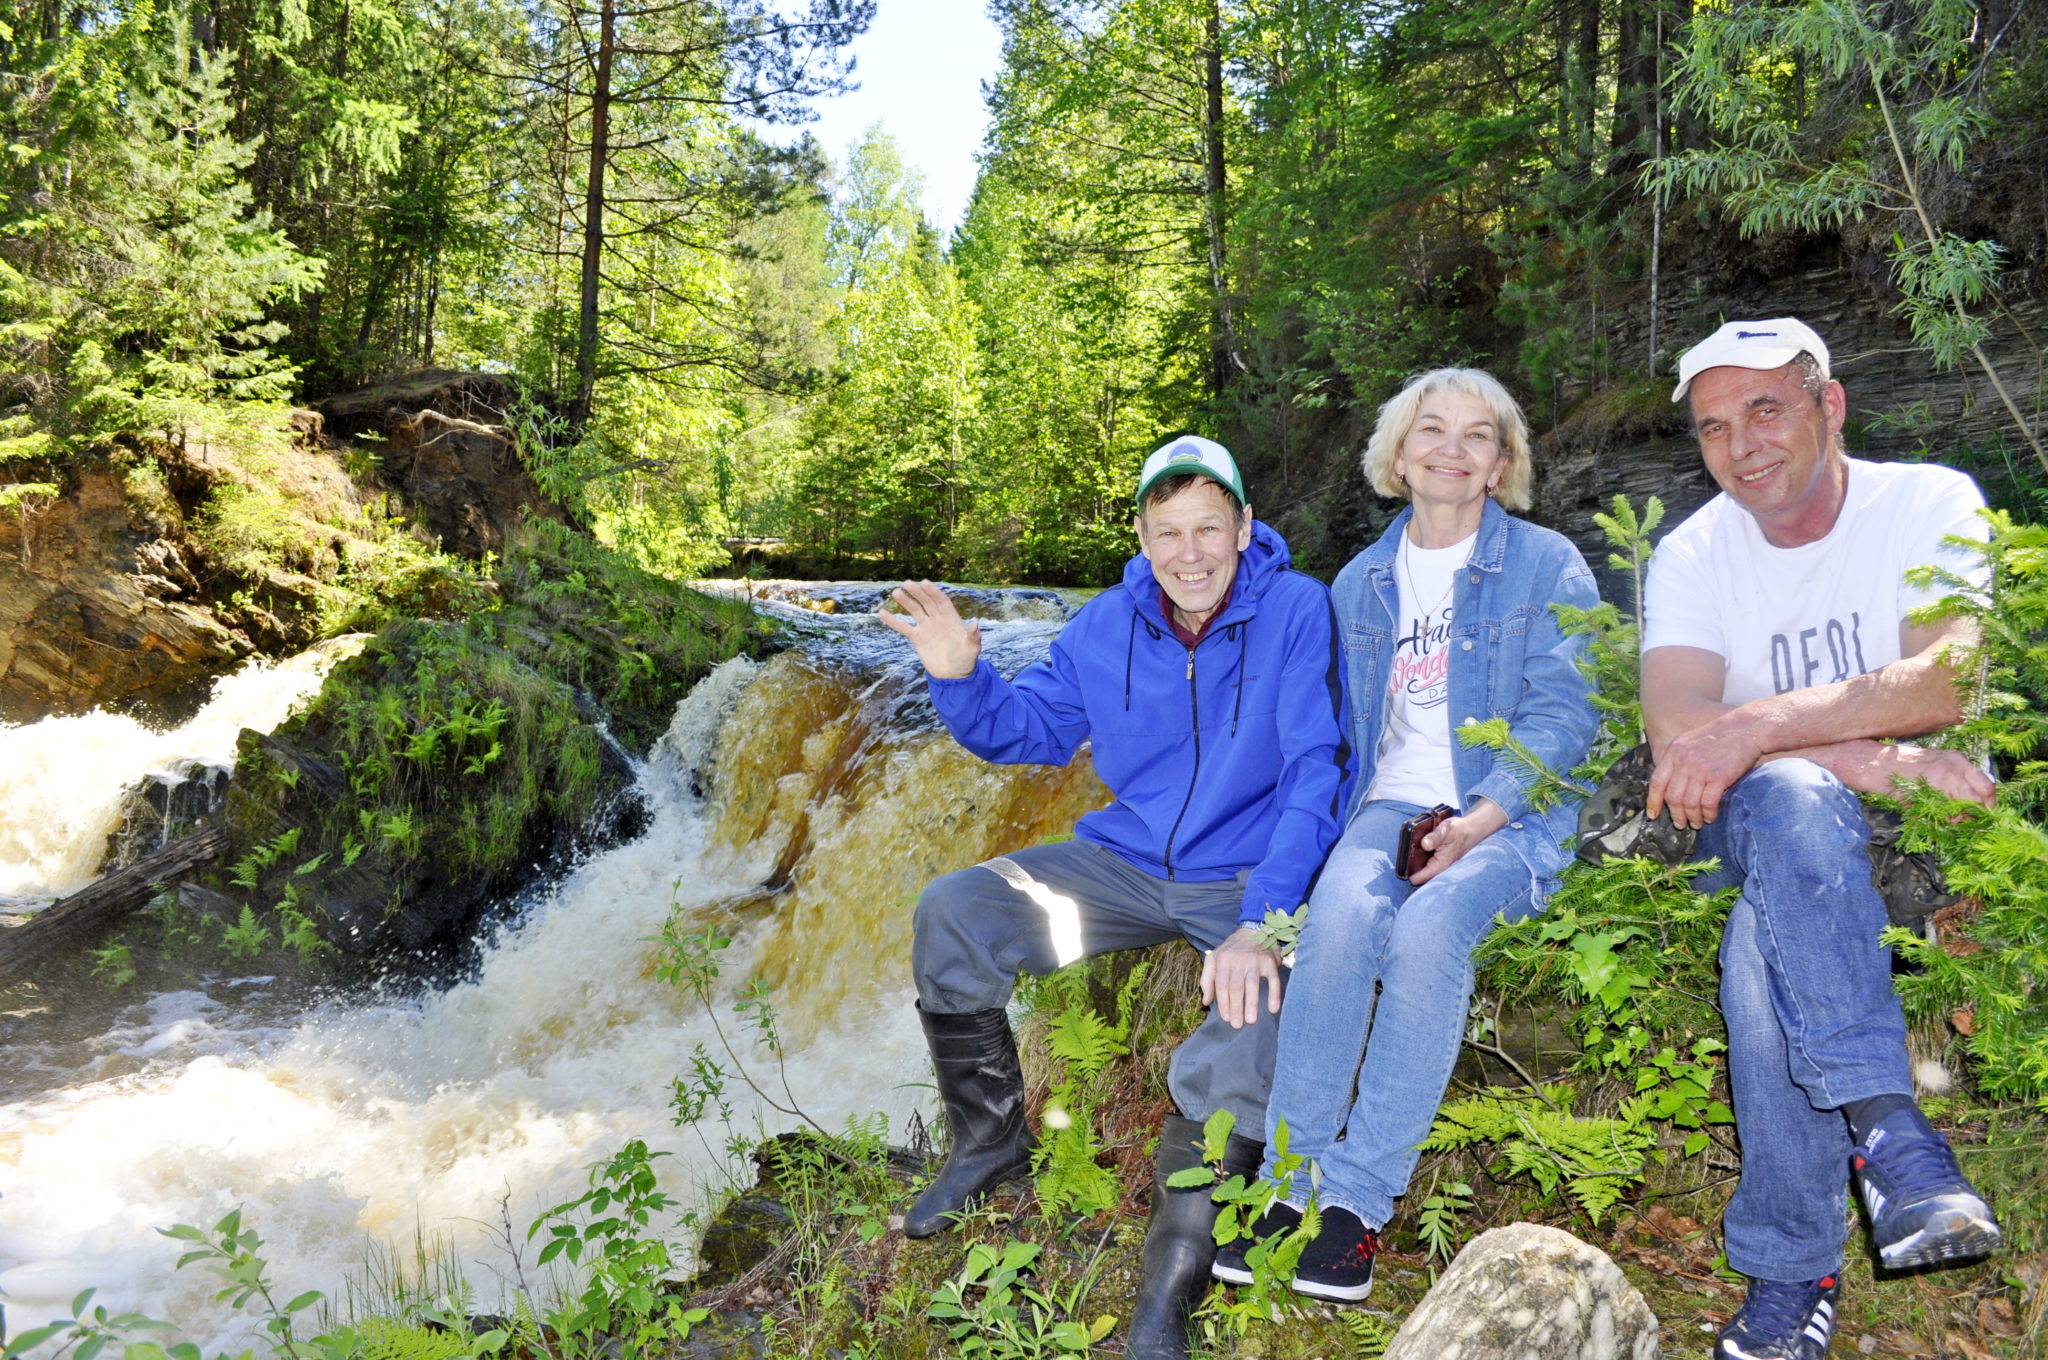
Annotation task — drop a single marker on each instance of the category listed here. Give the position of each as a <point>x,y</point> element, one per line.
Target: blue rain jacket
<point>1509,659</point>
<point>1228,756</point>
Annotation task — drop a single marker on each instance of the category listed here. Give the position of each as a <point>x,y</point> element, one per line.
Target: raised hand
<point>947,644</point>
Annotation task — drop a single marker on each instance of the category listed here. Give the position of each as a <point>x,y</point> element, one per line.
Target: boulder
<point>1528,1292</point>
<point>447,451</point>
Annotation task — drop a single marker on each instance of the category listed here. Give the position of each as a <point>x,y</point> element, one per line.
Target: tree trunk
<point>94,908</point>
<point>1635,87</point>
<point>1587,89</point>
<point>1222,326</point>
<point>593,212</point>
<point>1685,131</point>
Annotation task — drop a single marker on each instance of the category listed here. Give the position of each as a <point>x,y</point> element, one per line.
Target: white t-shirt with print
<point>1414,763</point>
<point>1790,618</point>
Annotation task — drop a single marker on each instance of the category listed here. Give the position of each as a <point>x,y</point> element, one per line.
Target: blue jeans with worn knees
<point>1367,927</point>
<point>1806,992</point>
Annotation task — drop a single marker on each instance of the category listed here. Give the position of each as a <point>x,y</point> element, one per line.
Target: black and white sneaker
<point>1338,1265</point>
<point>1231,1266</point>
<point>1780,1321</point>
<point>1922,1211</point>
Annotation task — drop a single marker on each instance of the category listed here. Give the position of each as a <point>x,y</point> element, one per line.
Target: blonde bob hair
<point>1397,417</point>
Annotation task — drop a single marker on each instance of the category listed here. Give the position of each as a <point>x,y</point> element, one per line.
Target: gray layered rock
<point>1527,1292</point>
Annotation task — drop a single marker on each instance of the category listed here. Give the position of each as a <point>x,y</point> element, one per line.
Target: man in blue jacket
<point>1210,685</point>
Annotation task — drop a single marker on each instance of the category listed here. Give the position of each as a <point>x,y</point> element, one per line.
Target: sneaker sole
<point>1231,1274</point>
<point>1956,1236</point>
<point>1333,1293</point>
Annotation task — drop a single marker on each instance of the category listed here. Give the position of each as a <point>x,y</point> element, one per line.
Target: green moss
<point>452,754</point>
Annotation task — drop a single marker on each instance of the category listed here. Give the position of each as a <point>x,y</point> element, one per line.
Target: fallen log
<point>67,924</point>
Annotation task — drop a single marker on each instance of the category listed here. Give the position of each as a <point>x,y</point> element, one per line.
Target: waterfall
<point>797,805</point>
<point>65,783</point>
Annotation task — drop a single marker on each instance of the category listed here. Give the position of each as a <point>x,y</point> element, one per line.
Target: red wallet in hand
<point>1411,856</point>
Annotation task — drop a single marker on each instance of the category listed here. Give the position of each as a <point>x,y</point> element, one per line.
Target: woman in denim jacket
<point>1447,620</point>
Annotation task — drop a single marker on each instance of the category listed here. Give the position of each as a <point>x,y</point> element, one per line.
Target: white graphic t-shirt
<point>1790,618</point>
<point>1415,742</point>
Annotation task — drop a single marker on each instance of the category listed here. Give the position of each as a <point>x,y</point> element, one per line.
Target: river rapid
<point>797,805</point>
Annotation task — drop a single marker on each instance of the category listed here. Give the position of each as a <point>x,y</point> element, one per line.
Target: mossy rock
<point>445,765</point>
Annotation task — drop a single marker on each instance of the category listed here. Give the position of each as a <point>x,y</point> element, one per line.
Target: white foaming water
<point>446,1114</point>
<point>64,782</point>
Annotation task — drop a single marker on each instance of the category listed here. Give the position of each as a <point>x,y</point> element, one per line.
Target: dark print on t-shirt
<point>1422,661</point>
<point>1822,655</point>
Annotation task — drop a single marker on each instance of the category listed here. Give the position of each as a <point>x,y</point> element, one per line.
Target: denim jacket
<point>1509,659</point>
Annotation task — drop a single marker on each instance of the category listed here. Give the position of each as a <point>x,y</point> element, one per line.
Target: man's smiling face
<point>1769,442</point>
<point>1192,541</point>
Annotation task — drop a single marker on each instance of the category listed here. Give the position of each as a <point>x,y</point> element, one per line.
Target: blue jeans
<point>1366,928</point>
<point>1806,991</point>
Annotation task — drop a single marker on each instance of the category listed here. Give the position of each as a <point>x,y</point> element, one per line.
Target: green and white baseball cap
<point>1191,453</point>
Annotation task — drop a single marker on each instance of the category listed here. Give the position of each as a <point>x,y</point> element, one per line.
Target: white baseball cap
<point>1751,344</point>
<point>1191,453</point>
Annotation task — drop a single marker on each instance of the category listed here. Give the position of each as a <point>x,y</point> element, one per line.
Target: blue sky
<point>920,66</point>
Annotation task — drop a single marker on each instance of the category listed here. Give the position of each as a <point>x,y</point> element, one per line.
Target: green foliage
<point>1596,1159</point>
<point>2004,597</point>
<point>1370,1334</point>
<point>1546,788</point>
<point>1244,1200</point>
<point>135,267</point>
<point>1613,638</point>
<point>231,1252</point>
<point>897,416</point>
<point>1281,930</point>
<point>92,1329</point>
<point>1995,857</point>
<point>246,938</point>
<point>1988,988</point>
<point>113,963</point>
<point>390,1339</point>
<point>467,746</point>
<point>689,960</point>
<point>1437,1222</point>
<point>1065,1164</point>
<point>607,1230</point>
<point>991,1309</point>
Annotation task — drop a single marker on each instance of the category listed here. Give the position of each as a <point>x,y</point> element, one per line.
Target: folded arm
<point>1704,745</point>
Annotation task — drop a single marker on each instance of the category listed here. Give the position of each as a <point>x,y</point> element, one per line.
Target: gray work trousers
<point>1047,906</point>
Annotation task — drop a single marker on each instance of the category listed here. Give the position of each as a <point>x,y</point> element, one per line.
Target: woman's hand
<point>1449,842</point>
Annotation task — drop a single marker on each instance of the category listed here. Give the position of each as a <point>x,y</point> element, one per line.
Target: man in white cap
<point>1778,664</point>
<point>1210,685</point>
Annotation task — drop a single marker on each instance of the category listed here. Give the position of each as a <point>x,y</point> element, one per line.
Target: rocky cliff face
<point>1619,434</point>
<point>100,602</point>
<point>112,597</point>
<point>445,448</point>
<point>1628,439</point>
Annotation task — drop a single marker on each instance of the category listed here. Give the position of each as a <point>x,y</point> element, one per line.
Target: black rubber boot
<point>974,1058</point>
<point>1180,1241</point>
